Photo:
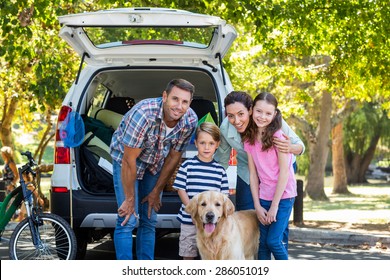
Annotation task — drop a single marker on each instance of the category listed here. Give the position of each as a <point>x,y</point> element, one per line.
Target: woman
<point>10,171</point>
<point>238,107</point>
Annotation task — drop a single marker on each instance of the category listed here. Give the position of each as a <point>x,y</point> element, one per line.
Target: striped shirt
<point>143,127</point>
<point>195,176</point>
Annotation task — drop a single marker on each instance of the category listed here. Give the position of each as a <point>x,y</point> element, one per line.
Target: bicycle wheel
<point>57,240</point>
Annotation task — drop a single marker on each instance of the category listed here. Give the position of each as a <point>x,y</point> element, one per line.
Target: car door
<point>134,36</point>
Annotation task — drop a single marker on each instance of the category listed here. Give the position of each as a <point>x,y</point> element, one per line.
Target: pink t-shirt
<point>267,167</point>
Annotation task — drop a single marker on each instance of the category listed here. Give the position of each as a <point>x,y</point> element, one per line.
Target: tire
<point>58,241</point>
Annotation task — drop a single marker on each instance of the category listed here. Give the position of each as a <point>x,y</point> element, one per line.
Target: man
<point>146,148</point>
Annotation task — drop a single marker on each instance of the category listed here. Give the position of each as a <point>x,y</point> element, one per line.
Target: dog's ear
<point>228,206</point>
<point>192,206</point>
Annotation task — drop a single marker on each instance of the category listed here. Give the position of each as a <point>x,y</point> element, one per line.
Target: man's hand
<point>126,210</point>
<point>283,145</point>
<point>153,199</point>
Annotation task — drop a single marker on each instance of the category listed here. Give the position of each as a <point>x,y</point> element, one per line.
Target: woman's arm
<point>292,143</point>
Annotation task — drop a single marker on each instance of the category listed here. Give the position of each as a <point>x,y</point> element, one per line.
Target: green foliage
<point>294,49</point>
<point>384,163</point>
<point>363,125</point>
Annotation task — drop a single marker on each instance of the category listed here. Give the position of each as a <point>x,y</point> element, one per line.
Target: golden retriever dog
<point>222,233</point>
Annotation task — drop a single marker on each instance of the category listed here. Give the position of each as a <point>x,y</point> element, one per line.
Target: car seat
<point>120,104</point>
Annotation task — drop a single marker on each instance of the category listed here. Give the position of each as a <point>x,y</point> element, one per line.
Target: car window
<point>107,37</point>
<point>100,94</point>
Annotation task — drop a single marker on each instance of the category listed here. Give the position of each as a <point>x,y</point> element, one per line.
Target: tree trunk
<point>6,121</point>
<point>319,149</point>
<point>357,165</point>
<point>338,161</point>
<point>45,137</point>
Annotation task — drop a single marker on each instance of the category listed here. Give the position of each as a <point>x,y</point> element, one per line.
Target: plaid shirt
<point>143,127</point>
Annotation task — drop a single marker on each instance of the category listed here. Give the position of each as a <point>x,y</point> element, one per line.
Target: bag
<point>72,130</point>
<point>99,129</point>
<point>95,178</point>
<point>205,118</point>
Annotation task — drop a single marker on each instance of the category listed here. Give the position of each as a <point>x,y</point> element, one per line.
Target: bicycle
<point>40,236</point>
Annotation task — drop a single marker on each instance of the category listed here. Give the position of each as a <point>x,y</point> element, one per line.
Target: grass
<point>367,203</point>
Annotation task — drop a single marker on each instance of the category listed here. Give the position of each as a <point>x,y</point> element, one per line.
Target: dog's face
<point>208,208</point>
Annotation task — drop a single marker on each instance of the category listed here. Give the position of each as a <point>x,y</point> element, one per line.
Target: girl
<point>274,196</point>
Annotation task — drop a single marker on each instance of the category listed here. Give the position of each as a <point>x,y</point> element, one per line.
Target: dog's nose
<point>210,216</point>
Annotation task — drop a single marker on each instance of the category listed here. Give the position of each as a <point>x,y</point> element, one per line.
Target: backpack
<point>95,178</point>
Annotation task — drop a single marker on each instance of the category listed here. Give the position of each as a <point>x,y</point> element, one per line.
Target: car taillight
<point>59,189</point>
<point>233,158</point>
<point>61,153</point>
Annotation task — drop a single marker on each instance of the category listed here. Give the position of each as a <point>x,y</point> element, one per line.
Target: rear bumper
<point>104,220</point>
<point>100,211</point>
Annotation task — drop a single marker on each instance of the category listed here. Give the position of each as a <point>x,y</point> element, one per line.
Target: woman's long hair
<point>250,134</point>
<point>239,97</point>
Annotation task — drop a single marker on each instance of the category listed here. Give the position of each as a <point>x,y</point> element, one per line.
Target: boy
<point>201,173</point>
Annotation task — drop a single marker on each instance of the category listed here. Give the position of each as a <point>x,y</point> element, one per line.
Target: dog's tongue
<point>209,228</point>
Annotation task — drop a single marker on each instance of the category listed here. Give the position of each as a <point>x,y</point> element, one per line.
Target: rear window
<point>108,37</point>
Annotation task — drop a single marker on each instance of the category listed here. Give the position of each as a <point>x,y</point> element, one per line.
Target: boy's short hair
<point>209,128</point>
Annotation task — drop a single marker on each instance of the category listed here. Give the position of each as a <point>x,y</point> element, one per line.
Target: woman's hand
<point>283,145</point>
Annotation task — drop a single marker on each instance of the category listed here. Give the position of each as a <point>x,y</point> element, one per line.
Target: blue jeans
<point>244,200</point>
<point>273,236</point>
<point>123,235</point>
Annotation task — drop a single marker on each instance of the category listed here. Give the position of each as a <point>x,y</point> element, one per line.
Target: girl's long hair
<point>250,134</point>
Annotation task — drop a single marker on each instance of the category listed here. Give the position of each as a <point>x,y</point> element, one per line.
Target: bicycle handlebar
<point>31,161</point>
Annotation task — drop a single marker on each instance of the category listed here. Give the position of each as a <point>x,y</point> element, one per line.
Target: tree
<point>363,130</point>
<point>301,51</point>
<point>319,148</point>
<point>35,63</point>
<point>349,41</point>
<point>338,161</point>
